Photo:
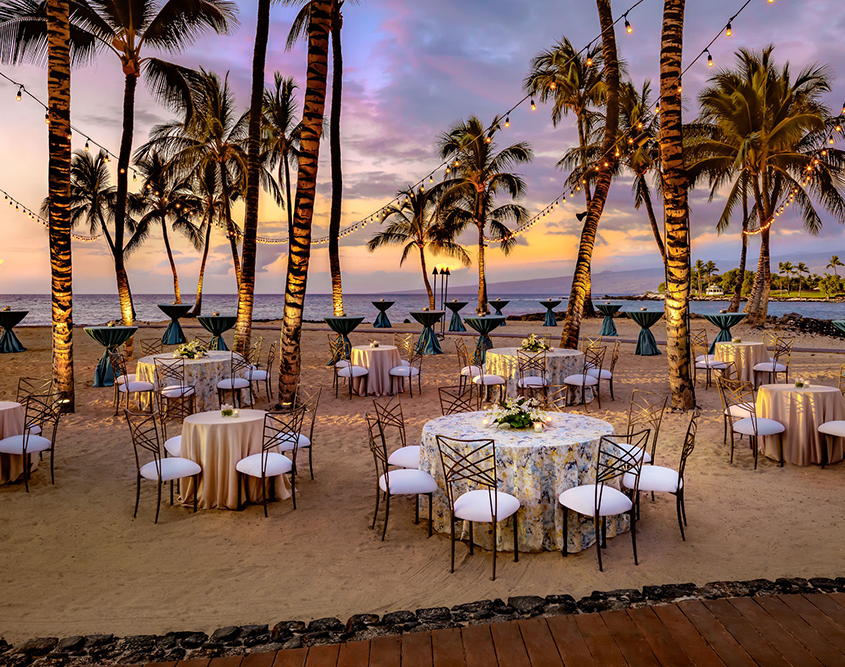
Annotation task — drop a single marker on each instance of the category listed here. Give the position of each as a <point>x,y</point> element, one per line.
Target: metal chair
<point>389,416</point>
<point>593,360</point>
<point>126,384</point>
<point>779,363</point>
<point>236,382</point>
<point>258,375</point>
<point>409,371</point>
<point>40,427</point>
<point>151,346</point>
<point>646,411</point>
<point>531,369</point>
<point>455,400</point>
<point>606,374</point>
<point>467,371</point>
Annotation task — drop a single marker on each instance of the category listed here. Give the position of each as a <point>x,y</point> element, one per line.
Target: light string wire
<point>18,206</point>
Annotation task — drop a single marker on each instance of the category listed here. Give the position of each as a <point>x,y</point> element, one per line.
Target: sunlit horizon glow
<point>411,70</point>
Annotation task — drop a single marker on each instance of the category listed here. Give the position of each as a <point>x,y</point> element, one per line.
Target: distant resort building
<point>714,290</point>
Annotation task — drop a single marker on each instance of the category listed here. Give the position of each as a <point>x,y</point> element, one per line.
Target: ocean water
<point>100,308</point>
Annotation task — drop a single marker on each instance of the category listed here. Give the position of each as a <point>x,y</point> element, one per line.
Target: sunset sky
<point>411,69</point>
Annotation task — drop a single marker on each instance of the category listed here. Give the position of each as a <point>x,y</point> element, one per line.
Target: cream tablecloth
<point>744,355</point>
<point>534,467</point>
<point>503,361</point>
<point>801,411</point>
<point>11,423</point>
<point>217,443</point>
<point>378,361</point>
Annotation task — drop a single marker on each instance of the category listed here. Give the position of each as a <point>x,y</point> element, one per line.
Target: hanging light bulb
<point>507,121</point>
<point>106,158</point>
<point>47,118</point>
<point>680,89</point>
<point>728,31</point>
<point>628,27</point>
<point>838,128</point>
<point>488,139</point>
<point>87,147</point>
<point>533,106</point>
<point>431,178</point>
<point>709,58</point>
<point>589,61</point>
<point>552,85</point>
<point>18,96</point>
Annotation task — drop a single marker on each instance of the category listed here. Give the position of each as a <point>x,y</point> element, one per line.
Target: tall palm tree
<point>801,269</point>
<point>290,359</point>
<point>281,134</point>
<point>58,176</point>
<point>414,224</point>
<point>833,263</point>
<point>786,269</point>
<point>207,187</point>
<point>127,29</point>
<point>581,275</point>
<point>698,272</point>
<point>477,176</point>
<point>165,198</point>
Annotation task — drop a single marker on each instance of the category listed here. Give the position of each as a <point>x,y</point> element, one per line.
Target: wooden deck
<point>805,630</point>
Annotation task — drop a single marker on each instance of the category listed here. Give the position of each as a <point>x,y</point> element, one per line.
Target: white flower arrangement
<point>227,410</point>
<point>193,350</point>
<point>517,413</point>
<point>534,344</point>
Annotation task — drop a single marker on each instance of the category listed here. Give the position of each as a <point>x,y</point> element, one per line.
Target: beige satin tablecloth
<point>744,355</point>
<point>11,423</point>
<point>378,361</point>
<point>560,363</point>
<point>801,411</point>
<point>217,443</point>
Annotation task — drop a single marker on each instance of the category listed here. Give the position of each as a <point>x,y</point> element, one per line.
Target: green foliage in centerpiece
<point>517,413</point>
<point>534,344</point>
<point>193,350</point>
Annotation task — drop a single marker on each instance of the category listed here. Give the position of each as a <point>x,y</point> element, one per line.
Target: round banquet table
<point>456,324</point>
<point>216,325</point>
<point>608,328</point>
<point>381,321</point>
<point>483,325</point>
<point>378,361</point>
<point>217,443</point>
<point>646,345</point>
<point>503,361</point>
<point>550,319</point>
<point>174,335</point>
<point>534,467</point>
<point>744,355</point>
<point>110,338</point>
<point>428,342</point>
<point>203,374</point>
<point>11,423</point>
<point>8,320</point>
<point>498,304</point>
<point>724,321</point>
<point>801,411</point>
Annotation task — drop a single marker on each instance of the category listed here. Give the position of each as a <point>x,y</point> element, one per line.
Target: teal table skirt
<point>381,321</point>
<point>483,325</point>
<point>550,320</point>
<point>174,335</point>
<point>110,338</point>
<point>608,327</point>
<point>343,325</point>
<point>646,345</point>
<point>9,341</point>
<point>498,304</point>
<point>724,321</point>
<point>456,324</point>
<point>428,343</point>
<point>217,325</point>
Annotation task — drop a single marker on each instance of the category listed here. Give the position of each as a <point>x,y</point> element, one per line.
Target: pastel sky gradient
<point>411,69</point>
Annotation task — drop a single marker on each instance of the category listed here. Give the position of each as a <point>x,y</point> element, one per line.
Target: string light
<point>32,215</point>
<point>533,106</point>
<point>709,58</point>
<point>628,27</point>
<point>507,121</point>
<point>18,96</point>
<point>728,31</point>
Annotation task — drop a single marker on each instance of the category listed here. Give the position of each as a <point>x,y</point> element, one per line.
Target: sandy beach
<point>75,562</point>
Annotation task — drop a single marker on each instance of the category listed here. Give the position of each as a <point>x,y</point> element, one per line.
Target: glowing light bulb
<point>18,96</point>
<point>709,60</point>
<point>552,85</point>
<point>628,27</point>
<point>728,31</point>
<point>533,106</point>
<point>507,121</point>
<point>589,62</point>
<point>87,147</point>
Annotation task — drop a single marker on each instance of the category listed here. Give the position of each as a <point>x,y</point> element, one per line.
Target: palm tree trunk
<point>587,310</point>
<point>337,172</point>
<point>675,207</point>
<point>230,226</point>
<point>743,257</point>
<point>314,105</point>
<point>127,308</point>
<point>482,278</point>
<point>246,285</point>
<point>759,298</point>
<point>288,200</point>
<point>581,276</point>
<point>425,278</point>
<point>176,293</point>
<point>655,229</point>
<point>61,283</point>
<point>197,310</point>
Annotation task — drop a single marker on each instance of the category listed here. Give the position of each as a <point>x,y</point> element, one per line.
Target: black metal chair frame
<point>647,409</point>
<point>239,368</point>
<point>783,349</point>
<point>118,364</point>
<point>256,365</point>
<point>151,346</point>
<point>455,400</point>
<point>531,364</point>
<point>43,411</point>
<point>171,373</point>
<point>593,359</point>
<point>310,402</point>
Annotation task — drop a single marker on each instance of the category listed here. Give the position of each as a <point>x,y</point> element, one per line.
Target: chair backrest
<point>271,357</point>
<point>281,428</point>
<point>770,340</point>
<point>30,386</point>
<point>339,350</point>
<point>556,397</point>
<point>255,352</point>
<point>783,350</point>
<point>44,411</point>
<point>842,378</point>
<point>151,346</point>
<point>730,371</point>
<point>118,363</point>
<point>405,343</point>
<point>205,340</point>
<point>174,409</point>
<point>143,428</point>
<point>463,354</point>
<point>389,415</point>
<point>594,358</point>
<point>698,347</point>
<point>467,464</point>
<point>646,411</point>
<point>614,461</point>
<point>170,372</point>
<point>614,356</point>
<point>689,442</point>
<point>310,400</point>
<point>378,448</point>
<point>239,366</point>
<point>698,339</point>
<point>455,400</point>
<point>587,342</point>
<point>531,364</point>
<point>737,392</point>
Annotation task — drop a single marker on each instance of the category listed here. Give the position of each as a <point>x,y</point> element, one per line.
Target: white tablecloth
<point>217,443</point>
<point>744,355</point>
<point>534,467</point>
<point>503,361</point>
<point>11,423</point>
<point>378,361</point>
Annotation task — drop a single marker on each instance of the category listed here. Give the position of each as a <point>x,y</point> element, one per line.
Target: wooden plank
<point>196,662</point>
<point>721,641</point>
<point>416,649</point>
<point>447,648</point>
<point>478,646</point>
<point>745,633</point>
<point>825,652</point>
<point>594,632</point>
<point>258,660</point>
<point>353,654</point>
<point>386,651</point>
<point>291,658</point>
<point>836,597</point>
<point>172,663</point>
<point>228,661</point>
<point>627,636</point>
<point>665,647</point>
<point>539,644</point>
<point>569,641</point>
<point>686,635</point>
<point>322,656</point>
<point>782,642</point>
<point>830,607</point>
<point>510,650</point>
<point>827,627</point>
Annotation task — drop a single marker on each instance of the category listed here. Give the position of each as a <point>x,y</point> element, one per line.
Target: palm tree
<point>290,359</point>
<point>786,269</point>
<point>833,263</point>
<point>477,176</point>
<point>126,28</point>
<point>165,198</point>
<point>61,285</point>
<point>801,269</point>
<point>710,270</point>
<point>414,223</point>
<point>207,187</point>
<point>698,272</point>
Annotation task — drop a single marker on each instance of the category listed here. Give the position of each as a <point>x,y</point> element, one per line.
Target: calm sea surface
<point>100,308</point>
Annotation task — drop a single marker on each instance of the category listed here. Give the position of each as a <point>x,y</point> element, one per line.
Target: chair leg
<point>684,506</point>
<point>515,538</point>
<point>610,384</point>
<point>755,444</point>
<point>375,513</point>
<point>732,444</point>
<point>53,475</point>
<point>386,515</point>
<point>196,491</point>
<point>824,450</point>
<point>495,525</point>
<point>416,509</point>
<point>452,522</point>
<point>430,503</point>
<point>27,464</point>
<point>604,532</point>
<point>678,502</point>
<point>240,478</point>
<point>780,447</point>
<point>264,494</point>
<point>137,495</point>
<point>597,521</point>
<point>292,487</point>
<point>565,549</point>
<point>311,463</point>
<point>633,520</point>
<point>158,499</point>
<point>471,540</point>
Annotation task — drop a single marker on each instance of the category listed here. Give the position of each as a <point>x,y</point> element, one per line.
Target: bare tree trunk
<point>482,278</point>
<point>176,294</point>
<point>230,226</point>
<point>655,229</point>
<point>197,310</point>
<point>337,171</point>
<point>127,309</point>
<point>743,257</point>
<point>61,283</point>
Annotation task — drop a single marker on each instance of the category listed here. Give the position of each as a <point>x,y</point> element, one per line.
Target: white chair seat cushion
<point>233,383</point>
<point>408,482</point>
<point>740,410</point>
<point>405,457</point>
<point>713,365</point>
<point>257,375</point>
<point>835,428</point>
<point>582,499</point>
<point>175,391</point>
<point>405,371</point>
<point>404,362</point>
<point>353,371</point>
<point>531,381</point>
<point>602,374</point>
<point>706,357</point>
<point>131,377</point>
<point>286,444</point>
<point>135,386</point>
<point>488,379</point>
<point>277,464</point>
<point>770,367</point>
<point>654,478</point>
<point>472,371</point>
<point>35,429</point>
<point>764,426</point>
<point>342,364</point>
<point>478,506</point>
<point>173,446</point>
<point>14,444</point>
<point>631,449</point>
<point>174,468</point>
<point>579,380</point>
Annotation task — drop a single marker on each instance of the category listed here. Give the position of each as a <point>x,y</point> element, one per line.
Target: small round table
<point>498,304</point>
<point>216,325</point>
<point>428,342</point>
<point>378,361</point>
<point>381,321</point>
<point>503,361</point>
<point>343,325</point>
<point>724,321</point>
<point>801,411</point>
<point>483,325</point>
<point>548,304</point>
<point>217,443</point>
<point>646,345</point>
<point>8,320</point>
<point>110,338</point>
<point>456,324</point>
<point>202,374</point>
<point>608,328</point>
<point>744,356</point>
<point>174,335</point>
<point>11,423</point>
<point>534,467</point>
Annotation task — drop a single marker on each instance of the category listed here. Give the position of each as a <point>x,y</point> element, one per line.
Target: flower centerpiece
<point>736,340</point>
<point>534,344</point>
<point>227,410</point>
<point>516,413</point>
<point>801,383</point>
<point>193,350</point>
<point>373,343</point>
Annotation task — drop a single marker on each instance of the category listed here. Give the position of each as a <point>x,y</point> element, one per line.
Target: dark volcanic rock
<point>226,635</point>
<point>434,614</point>
<point>399,618</point>
<point>360,621</point>
<point>253,630</point>
<point>527,604</point>
<point>325,625</point>
<point>38,646</point>
<point>70,644</point>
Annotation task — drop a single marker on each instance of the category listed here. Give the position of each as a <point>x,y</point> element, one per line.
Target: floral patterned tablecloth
<point>534,467</point>
<point>503,361</point>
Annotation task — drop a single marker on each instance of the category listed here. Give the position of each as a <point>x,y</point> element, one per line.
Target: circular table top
<point>116,327</point>
<point>214,418</point>
<point>367,348</point>
<point>787,388</point>
<point>9,405</point>
<point>745,343</point>
<point>559,352</point>
<point>210,356</point>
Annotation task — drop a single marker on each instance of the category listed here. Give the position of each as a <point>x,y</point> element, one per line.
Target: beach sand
<point>73,561</point>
